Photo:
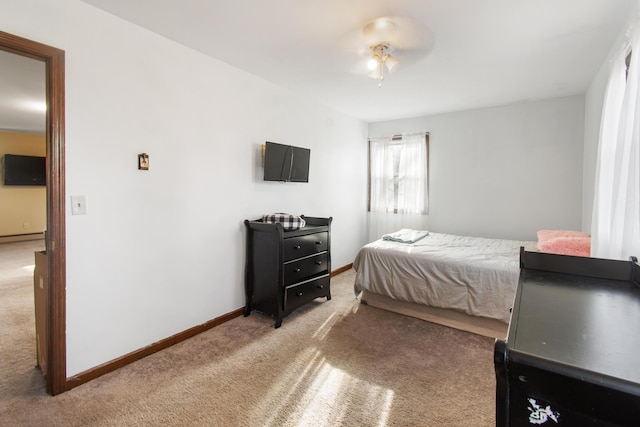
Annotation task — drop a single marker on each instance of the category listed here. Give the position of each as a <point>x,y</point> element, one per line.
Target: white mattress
<point>474,275</point>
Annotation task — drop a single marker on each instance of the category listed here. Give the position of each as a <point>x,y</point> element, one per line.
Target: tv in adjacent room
<point>286,163</point>
<point>24,170</point>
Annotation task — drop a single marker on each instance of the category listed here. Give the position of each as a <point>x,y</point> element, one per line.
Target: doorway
<point>53,58</point>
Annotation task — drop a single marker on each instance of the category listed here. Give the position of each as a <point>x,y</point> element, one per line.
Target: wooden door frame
<point>56,371</point>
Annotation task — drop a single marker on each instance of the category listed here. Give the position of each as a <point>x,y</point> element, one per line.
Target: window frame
<point>397,140</point>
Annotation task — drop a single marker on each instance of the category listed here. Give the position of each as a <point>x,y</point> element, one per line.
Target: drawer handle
<point>318,262</point>
<point>297,247</point>
<point>297,270</point>
<point>318,242</point>
<point>299,294</point>
<point>320,286</point>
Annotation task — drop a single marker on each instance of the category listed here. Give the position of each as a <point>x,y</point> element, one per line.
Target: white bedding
<point>477,276</point>
<point>405,235</point>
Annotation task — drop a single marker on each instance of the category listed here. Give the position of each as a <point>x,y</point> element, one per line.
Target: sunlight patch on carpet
<point>330,399</point>
<point>316,393</point>
<point>324,329</point>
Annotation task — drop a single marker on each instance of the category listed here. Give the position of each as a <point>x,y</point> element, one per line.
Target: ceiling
<point>22,94</point>
<point>483,53</point>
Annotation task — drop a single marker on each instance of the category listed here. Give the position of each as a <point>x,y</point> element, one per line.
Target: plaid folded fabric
<point>289,222</point>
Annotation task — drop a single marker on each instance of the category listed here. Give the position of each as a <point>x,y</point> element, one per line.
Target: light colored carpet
<point>18,375</point>
<point>335,363</point>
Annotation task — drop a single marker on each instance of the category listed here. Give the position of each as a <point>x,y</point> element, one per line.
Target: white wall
<point>503,172</point>
<point>163,250</point>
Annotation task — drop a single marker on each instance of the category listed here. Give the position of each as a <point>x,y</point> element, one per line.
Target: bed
<point>464,282</point>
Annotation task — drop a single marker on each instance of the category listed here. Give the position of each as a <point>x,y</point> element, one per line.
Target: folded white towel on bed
<point>405,235</point>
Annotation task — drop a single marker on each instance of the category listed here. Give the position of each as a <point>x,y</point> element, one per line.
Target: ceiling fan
<point>407,41</point>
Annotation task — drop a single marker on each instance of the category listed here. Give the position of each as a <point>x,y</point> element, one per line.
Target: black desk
<point>572,354</point>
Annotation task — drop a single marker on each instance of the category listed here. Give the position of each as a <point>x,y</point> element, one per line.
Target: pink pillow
<point>579,246</point>
<point>544,235</point>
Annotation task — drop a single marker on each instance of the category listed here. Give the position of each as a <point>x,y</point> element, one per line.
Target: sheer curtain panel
<point>398,184</point>
<point>615,230</point>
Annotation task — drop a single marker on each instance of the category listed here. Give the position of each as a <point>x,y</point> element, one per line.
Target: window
<point>398,174</point>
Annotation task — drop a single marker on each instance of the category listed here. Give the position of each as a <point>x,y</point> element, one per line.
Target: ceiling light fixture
<point>380,60</point>
<point>380,34</point>
<point>406,40</point>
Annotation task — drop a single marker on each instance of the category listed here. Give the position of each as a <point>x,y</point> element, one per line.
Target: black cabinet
<point>286,269</point>
<point>571,354</point>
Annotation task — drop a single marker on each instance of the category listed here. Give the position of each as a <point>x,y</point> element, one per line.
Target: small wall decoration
<point>143,161</point>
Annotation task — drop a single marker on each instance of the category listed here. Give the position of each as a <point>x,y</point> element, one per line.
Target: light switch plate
<point>78,205</point>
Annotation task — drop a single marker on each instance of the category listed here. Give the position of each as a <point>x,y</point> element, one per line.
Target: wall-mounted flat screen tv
<point>286,163</point>
<point>24,170</point>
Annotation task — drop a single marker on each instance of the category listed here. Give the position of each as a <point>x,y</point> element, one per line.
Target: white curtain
<point>398,180</point>
<point>615,230</point>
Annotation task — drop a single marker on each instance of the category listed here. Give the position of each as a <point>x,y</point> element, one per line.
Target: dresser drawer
<point>301,269</point>
<point>297,247</point>
<point>300,294</point>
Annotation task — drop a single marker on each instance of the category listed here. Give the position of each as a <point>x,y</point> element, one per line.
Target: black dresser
<point>286,269</point>
<point>572,353</point>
